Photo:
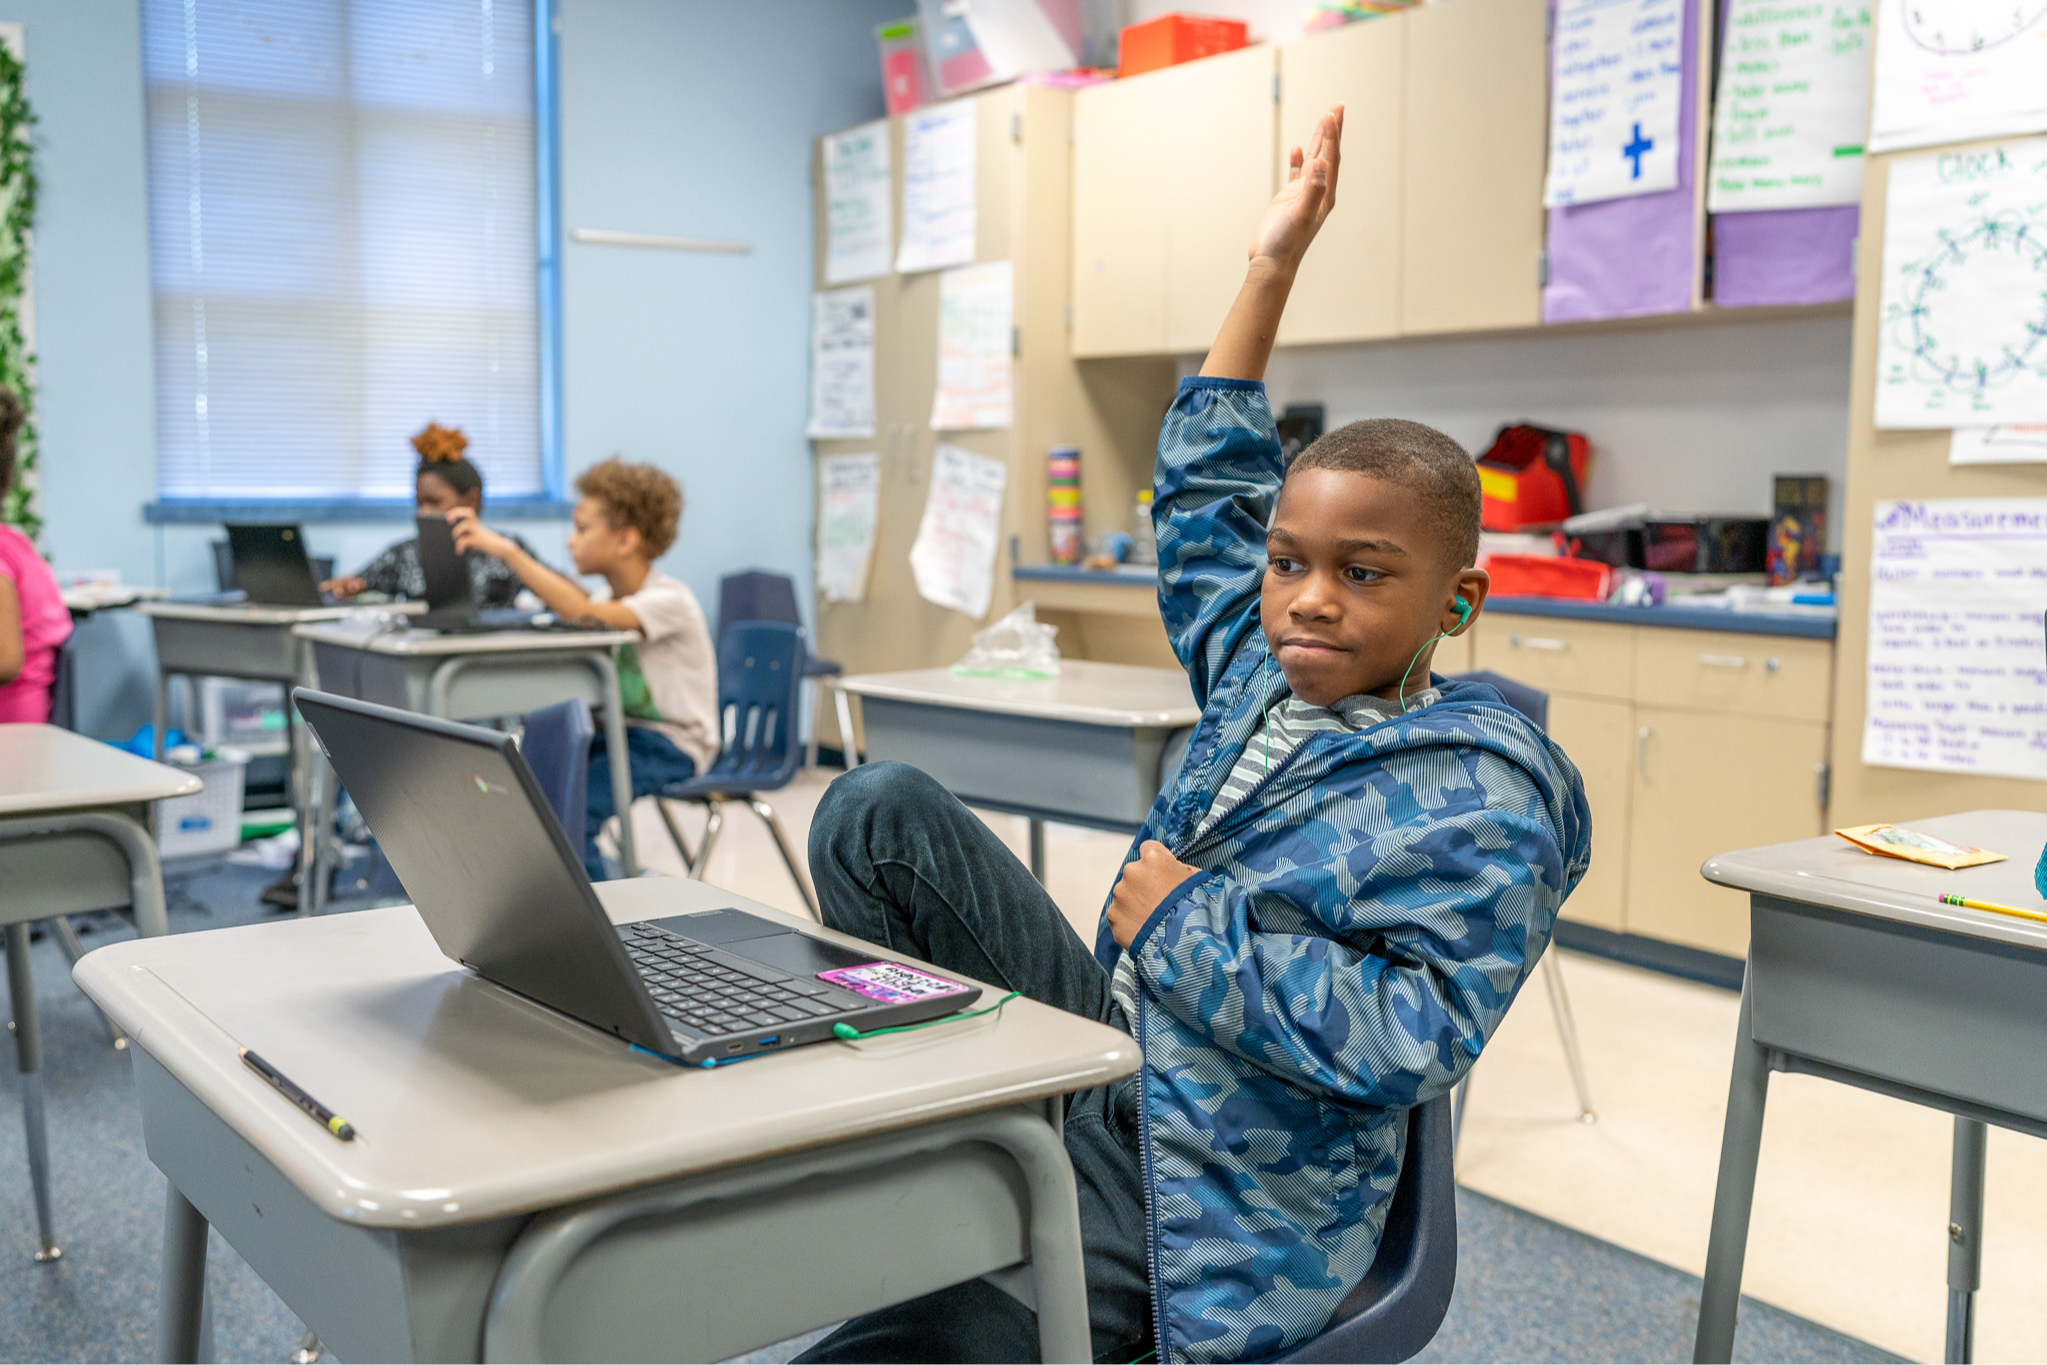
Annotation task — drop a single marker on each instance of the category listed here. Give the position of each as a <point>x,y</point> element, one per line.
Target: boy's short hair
<point>637,495</point>
<point>1420,458</point>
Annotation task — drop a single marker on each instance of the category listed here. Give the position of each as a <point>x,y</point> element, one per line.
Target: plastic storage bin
<point>235,713</point>
<point>1172,39</point>
<point>1542,576</point>
<point>208,822</point>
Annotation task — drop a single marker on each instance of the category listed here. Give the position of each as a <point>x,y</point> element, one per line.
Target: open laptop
<point>451,604</point>
<point>270,565</point>
<point>458,813</point>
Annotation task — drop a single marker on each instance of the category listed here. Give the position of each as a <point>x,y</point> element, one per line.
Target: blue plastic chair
<point>758,595</point>
<point>556,744</point>
<point>1395,1310</point>
<point>760,672</point>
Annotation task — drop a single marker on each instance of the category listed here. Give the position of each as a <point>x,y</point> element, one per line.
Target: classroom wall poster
<point>939,203</point>
<point>1953,70</point>
<point>975,341</point>
<point>1962,336</point>
<point>1957,678</point>
<point>1793,106</point>
<point>842,364</point>
<point>858,224</point>
<point>1617,79</point>
<point>953,559</point>
<point>848,511</point>
<point>2016,443</point>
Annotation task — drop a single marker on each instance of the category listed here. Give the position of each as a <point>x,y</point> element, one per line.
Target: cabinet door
<point>1588,658</point>
<point>1120,174</point>
<point>1599,736</point>
<point>1476,138</point>
<point>1218,113</point>
<point>1349,285</point>
<point>1706,784</point>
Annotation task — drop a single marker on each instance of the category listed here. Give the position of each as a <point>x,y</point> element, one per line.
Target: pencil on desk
<point>1993,908</point>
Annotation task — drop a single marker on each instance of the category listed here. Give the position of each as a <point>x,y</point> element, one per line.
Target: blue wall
<point>678,117</point>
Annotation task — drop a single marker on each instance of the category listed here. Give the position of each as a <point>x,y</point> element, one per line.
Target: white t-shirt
<point>669,678</point>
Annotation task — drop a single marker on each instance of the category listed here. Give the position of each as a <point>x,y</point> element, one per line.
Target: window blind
<point>342,235</point>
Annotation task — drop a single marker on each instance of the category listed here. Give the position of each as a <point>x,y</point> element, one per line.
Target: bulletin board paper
<point>1794,103</point>
<point>2014,444</point>
<point>939,204</point>
<point>953,559</point>
<point>842,364</point>
<point>848,511</point>
<point>1615,91</point>
<point>1963,335</point>
<point>1957,676</point>
<point>975,320</point>
<point>1953,70</point>
<point>858,223</point>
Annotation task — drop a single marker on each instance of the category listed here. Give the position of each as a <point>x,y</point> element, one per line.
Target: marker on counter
<point>322,1115</point>
<point>1993,907</point>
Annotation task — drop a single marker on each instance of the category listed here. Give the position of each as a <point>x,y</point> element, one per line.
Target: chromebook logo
<point>486,787</point>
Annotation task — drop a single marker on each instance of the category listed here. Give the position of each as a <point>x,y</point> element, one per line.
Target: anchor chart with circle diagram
<point>1964,324</point>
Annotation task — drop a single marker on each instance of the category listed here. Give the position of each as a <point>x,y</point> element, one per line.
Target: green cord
<point>1146,1356</point>
<point>851,1034</point>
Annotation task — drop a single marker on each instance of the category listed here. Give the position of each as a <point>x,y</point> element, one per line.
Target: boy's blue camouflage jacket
<point>1360,925</point>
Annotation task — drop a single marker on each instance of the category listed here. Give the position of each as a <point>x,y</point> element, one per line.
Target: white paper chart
<point>975,315</point>
<point>953,559</point>
<point>1793,106</point>
<point>848,510</point>
<point>842,363</point>
<point>1614,95</point>
<point>1951,70</point>
<point>939,213</point>
<point>1962,340</point>
<point>2017,443</point>
<point>857,219</point>
<point>1957,646</point>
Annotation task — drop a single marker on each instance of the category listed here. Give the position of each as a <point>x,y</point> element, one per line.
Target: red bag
<point>1532,477</point>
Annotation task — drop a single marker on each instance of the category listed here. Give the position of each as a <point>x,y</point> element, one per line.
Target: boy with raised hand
<point>1326,914</point>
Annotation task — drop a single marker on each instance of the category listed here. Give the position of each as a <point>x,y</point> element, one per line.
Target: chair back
<point>760,669</point>
<point>1531,702</point>
<point>1395,1310</point>
<point>64,684</point>
<point>556,745</point>
<point>757,595</point>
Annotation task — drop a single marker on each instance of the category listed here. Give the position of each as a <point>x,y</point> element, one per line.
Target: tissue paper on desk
<point>1890,841</point>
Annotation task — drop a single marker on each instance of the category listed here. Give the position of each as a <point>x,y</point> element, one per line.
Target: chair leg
<point>28,1053</point>
<point>774,823</point>
<point>67,939</point>
<point>1459,1097</point>
<point>815,688</point>
<point>847,745</point>
<point>713,824</point>
<point>1567,1031</point>
<point>676,836</point>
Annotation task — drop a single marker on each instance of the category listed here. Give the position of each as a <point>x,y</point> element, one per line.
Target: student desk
<point>472,677</point>
<point>1085,748</point>
<point>526,1188</point>
<point>1857,973</point>
<point>73,837</point>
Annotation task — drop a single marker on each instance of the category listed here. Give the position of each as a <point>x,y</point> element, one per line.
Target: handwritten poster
<point>1614,92</point>
<point>953,559</point>
<point>1957,646</point>
<point>1952,70</point>
<point>974,344</point>
<point>2017,443</point>
<point>939,218</point>
<point>1793,105</point>
<point>1962,338</point>
<point>856,187</point>
<point>848,510</point>
<point>842,363</point>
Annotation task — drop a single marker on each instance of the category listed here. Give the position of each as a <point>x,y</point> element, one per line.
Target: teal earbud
<point>1463,610</point>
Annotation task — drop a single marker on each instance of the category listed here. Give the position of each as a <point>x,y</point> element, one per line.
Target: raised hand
<point>1298,211</point>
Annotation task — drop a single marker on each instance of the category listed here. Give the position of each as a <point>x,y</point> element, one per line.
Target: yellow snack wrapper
<point>1893,841</point>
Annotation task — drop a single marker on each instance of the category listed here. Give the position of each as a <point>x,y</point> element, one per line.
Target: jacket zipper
<point>1151,1241</point>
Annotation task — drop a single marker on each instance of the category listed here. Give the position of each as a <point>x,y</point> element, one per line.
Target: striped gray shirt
<point>1285,726</point>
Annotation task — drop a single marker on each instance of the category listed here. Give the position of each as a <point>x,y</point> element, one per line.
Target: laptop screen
<point>270,565</point>
<point>447,577</point>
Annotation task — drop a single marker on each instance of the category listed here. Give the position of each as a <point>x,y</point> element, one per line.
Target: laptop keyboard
<point>716,992</point>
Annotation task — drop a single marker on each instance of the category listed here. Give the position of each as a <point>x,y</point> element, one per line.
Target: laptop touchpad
<point>718,927</point>
<point>802,955</point>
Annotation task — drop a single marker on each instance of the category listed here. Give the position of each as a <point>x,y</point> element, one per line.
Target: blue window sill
<point>181,511</point>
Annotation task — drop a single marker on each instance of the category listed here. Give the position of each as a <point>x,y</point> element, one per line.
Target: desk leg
<point>1741,1142</point>
<point>621,769</point>
<point>160,712</point>
<point>183,1305</point>
<point>323,795</point>
<point>1038,850</point>
<point>28,1053</point>
<point>1965,1238</point>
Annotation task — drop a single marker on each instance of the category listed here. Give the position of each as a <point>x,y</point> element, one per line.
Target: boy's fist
<point>1297,212</point>
<point>1142,886</point>
<point>471,534</point>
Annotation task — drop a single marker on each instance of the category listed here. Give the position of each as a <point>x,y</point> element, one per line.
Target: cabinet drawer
<point>1753,675</point>
<point>1589,658</point>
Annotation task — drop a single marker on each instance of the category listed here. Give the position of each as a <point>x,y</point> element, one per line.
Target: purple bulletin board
<point>1625,258</point>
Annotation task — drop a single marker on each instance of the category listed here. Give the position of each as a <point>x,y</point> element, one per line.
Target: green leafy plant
<point>17,217</point>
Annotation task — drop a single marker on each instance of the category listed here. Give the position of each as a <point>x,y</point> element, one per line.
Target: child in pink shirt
<point>33,620</point>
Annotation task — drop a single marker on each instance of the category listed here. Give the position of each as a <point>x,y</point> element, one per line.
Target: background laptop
<point>450,596</point>
<point>270,565</point>
<point>472,839</point>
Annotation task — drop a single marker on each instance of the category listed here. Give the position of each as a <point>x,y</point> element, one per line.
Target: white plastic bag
<point>1017,646</point>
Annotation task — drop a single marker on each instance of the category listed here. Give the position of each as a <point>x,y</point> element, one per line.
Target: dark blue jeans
<point>901,863</point>
<point>654,762</point>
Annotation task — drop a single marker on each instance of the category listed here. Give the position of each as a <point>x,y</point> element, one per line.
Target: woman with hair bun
<point>445,481</point>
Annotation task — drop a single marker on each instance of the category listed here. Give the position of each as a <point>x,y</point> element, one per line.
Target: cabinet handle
<point>1723,661</point>
<point>1642,753</point>
<point>1539,642</point>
